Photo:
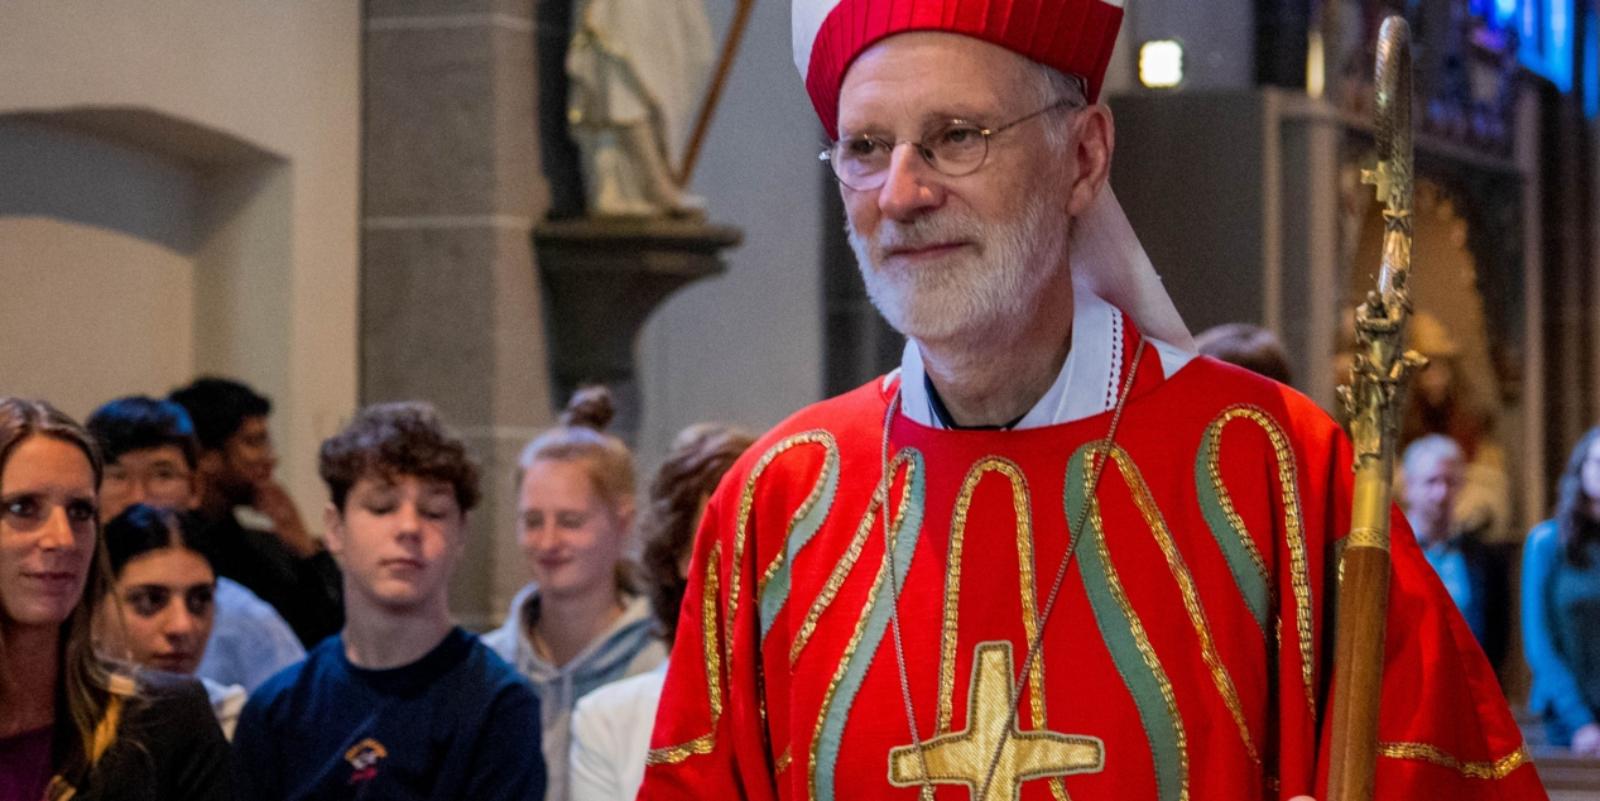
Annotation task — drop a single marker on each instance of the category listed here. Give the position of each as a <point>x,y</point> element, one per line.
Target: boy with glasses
<point>150,452</point>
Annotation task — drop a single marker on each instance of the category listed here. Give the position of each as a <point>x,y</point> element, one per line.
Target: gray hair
<point>1050,86</point>
<point>1431,449</point>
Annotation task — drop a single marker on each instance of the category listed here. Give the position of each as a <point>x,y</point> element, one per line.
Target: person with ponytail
<point>582,621</point>
<point>1561,605</point>
<point>71,727</point>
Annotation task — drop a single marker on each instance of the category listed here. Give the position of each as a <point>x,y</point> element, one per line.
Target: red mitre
<point>1073,36</point>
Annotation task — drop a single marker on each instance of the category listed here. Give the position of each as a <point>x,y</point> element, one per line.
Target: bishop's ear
<point>1094,139</point>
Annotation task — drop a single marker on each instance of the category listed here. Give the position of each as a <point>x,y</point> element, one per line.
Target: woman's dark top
<point>168,747</point>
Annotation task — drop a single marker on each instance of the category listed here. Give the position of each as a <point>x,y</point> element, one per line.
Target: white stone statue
<point>637,70</point>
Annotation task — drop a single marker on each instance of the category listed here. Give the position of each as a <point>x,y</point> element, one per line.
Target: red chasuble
<point>1187,657</point>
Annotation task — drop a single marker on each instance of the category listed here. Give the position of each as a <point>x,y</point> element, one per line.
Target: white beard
<point>969,296</point>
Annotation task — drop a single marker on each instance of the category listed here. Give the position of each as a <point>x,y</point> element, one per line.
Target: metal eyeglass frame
<point>877,180</point>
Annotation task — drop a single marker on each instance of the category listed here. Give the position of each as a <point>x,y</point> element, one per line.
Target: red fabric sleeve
<point>1444,728</point>
<point>708,740</point>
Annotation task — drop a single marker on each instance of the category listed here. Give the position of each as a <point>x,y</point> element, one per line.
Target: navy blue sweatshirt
<point>457,723</point>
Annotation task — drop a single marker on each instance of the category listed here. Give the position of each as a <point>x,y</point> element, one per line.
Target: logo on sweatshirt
<point>364,758</point>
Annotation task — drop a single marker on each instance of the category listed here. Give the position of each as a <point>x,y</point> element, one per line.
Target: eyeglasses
<point>156,478</point>
<point>953,149</point>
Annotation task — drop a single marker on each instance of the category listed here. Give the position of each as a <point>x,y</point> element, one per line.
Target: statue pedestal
<point>602,278</point>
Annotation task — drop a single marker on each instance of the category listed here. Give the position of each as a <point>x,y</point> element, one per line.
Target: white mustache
<point>924,232</point>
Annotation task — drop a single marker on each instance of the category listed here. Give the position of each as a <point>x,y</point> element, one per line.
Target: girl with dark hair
<point>581,622</point>
<point>69,726</point>
<point>1561,605</point>
<point>160,609</point>
<point>611,726</point>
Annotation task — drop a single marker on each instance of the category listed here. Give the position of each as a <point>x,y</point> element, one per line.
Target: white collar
<point>1086,386</point>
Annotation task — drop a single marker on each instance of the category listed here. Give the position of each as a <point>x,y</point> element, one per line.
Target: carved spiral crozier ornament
<point>1373,400</point>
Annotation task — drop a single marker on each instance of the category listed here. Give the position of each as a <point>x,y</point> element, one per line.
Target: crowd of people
<point>170,628</point>
<point>870,607</point>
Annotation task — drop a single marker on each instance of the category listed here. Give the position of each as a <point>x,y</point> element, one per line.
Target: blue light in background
<point>1552,60</point>
<point>1504,11</point>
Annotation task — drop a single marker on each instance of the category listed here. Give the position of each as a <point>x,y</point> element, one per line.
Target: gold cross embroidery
<point>964,757</point>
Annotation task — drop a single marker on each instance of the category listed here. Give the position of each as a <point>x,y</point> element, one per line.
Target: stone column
<point>450,305</point>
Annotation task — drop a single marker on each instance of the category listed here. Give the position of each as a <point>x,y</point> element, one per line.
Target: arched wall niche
<point>142,250</point>
<point>246,120</point>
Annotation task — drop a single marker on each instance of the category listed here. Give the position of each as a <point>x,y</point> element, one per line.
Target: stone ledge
<point>598,240</point>
<point>602,279</point>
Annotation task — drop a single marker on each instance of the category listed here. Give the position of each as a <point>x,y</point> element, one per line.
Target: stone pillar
<point>450,305</point>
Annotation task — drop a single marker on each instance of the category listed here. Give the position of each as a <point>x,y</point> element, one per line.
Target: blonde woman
<point>69,726</point>
<point>582,621</point>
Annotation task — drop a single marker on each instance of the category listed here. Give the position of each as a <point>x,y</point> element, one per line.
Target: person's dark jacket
<point>168,747</point>
<point>306,591</point>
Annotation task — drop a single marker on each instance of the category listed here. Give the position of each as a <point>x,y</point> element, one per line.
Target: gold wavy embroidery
<point>710,635</point>
<point>844,664</point>
<point>784,761</point>
<point>1023,514</point>
<point>1141,638</point>
<point>910,459</point>
<point>699,746</point>
<point>1294,536</point>
<point>1498,769</point>
<point>747,499</point>
<point>1191,597</point>
<point>829,464</point>
<point>1224,498</point>
<point>847,562</point>
<point>952,597</point>
<point>708,622</point>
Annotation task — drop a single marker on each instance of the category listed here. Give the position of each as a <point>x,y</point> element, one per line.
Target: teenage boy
<point>151,453</point>
<point>402,704</point>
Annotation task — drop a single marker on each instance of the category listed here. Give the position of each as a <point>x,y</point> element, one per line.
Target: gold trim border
<point>1423,752</point>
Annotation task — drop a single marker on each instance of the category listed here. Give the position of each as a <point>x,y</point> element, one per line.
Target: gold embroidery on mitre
<point>964,757</point>
<point>1498,769</point>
